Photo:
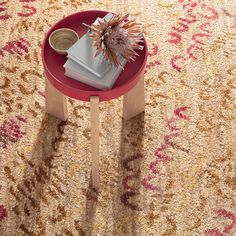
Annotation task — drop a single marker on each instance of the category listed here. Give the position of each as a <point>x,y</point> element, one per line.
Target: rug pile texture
<point>169,171</point>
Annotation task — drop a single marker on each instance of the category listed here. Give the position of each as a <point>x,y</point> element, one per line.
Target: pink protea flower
<point>117,37</point>
<point>3,212</point>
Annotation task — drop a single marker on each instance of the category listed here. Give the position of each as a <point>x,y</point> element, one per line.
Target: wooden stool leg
<point>133,101</point>
<point>94,103</point>
<point>55,101</point>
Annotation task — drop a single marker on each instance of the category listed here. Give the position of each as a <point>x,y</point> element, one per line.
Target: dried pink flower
<point>117,37</point>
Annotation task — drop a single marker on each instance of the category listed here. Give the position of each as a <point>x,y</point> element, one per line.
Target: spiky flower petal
<point>117,37</point>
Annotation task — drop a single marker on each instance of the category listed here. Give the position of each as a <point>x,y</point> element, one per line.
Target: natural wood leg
<point>94,109</point>
<point>55,101</point>
<point>133,101</point>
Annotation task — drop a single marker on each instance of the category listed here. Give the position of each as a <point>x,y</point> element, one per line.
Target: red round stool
<point>57,86</point>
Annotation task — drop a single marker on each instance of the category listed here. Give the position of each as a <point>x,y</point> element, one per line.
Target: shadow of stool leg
<point>133,101</point>
<point>94,109</point>
<point>55,101</point>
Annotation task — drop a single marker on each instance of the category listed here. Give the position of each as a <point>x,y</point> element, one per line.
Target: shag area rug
<point>169,171</point>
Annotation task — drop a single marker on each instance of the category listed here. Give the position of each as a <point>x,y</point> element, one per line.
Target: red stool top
<point>53,63</point>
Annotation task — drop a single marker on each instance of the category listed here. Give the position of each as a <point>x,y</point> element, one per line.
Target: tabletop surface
<point>53,63</point>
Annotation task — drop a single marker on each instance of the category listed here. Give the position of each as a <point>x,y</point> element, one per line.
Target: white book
<point>78,72</point>
<point>83,53</point>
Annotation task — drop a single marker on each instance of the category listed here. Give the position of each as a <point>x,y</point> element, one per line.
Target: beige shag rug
<point>170,171</point>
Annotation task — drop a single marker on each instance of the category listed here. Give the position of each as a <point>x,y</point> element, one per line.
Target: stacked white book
<point>82,65</point>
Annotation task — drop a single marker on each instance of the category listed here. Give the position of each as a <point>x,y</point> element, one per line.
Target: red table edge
<point>100,93</point>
